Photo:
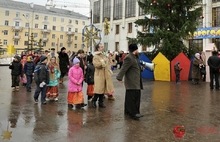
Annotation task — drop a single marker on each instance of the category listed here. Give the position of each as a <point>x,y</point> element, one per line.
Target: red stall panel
<point>184,63</point>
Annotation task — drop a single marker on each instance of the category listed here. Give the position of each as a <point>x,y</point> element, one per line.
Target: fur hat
<point>132,47</point>
<point>76,60</point>
<point>17,57</point>
<point>63,48</point>
<point>52,49</point>
<point>42,58</point>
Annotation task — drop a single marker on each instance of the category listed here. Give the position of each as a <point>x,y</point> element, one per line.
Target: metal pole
<point>29,37</point>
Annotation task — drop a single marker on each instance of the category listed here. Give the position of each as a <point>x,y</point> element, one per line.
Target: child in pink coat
<point>76,77</point>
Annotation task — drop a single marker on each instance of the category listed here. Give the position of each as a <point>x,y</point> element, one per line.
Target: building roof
<point>9,4</point>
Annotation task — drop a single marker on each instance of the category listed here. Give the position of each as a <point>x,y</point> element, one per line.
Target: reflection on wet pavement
<point>164,104</point>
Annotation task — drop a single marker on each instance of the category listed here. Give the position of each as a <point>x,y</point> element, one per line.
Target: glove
<point>42,84</point>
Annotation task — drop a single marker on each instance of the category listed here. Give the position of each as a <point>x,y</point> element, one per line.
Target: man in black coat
<point>133,82</point>
<point>64,63</point>
<point>214,65</point>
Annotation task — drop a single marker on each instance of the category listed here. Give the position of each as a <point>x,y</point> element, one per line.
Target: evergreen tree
<point>169,23</point>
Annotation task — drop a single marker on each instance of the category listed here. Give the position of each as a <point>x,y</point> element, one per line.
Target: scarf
<point>52,67</point>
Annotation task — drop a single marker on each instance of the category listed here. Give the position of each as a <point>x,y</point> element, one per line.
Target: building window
<point>69,45</point>
<point>62,29</point>
<point>75,45</point>
<point>36,17</point>
<point>6,13</point>
<point>45,36</point>
<point>117,9</point>
<point>83,22</point>
<point>27,25</point>
<point>54,28</point>
<point>53,36</point>
<point>44,44</point>
<point>75,37</point>
<point>27,15</point>
<point>61,36</point>
<point>35,34</point>
<point>69,29</point>
<point>70,21</point>
<point>6,23</point>
<point>62,20</point>
<point>26,34</point>
<point>130,8</point>
<point>15,42</point>
<point>54,19</point>
<point>5,42</point>
<point>17,14</point>
<point>141,11</point>
<point>96,12</point>
<point>129,27</point>
<point>5,32</point>
<point>196,43</point>
<point>117,29</point>
<point>45,17</point>
<point>215,17</point>
<point>16,34</point>
<point>76,30</point>
<point>53,44</point>
<point>116,46</point>
<point>25,43</point>
<point>45,27</point>
<point>61,44</point>
<point>69,38</point>
<point>76,22</point>
<point>106,9</point>
<point>17,23</point>
<point>36,26</point>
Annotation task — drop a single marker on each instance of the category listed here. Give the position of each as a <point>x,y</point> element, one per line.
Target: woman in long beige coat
<point>102,76</point>
<point>197,64</point>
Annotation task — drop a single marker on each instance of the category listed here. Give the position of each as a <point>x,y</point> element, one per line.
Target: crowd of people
<point>49,68</point>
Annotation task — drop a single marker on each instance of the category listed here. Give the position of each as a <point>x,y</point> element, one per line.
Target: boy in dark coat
<point>41,77</point>
<point>16,69</point>
<point>29,72</point>
<point>177,70</point>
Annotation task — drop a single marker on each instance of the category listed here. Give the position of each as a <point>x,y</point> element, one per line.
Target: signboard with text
<point>211,32</point>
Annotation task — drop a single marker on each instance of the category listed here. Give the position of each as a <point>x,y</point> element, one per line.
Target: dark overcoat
<point>131,72</point>
<point>63,62</point>
<point>195,68</point>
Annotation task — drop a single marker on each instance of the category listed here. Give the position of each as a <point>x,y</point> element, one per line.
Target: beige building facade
<point>55,27</point>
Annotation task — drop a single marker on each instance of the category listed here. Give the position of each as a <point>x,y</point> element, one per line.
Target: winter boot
<point>17,88</point>
<point>13,89</point>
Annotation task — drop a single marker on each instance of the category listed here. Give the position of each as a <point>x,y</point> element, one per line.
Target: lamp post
<point>28,30</point>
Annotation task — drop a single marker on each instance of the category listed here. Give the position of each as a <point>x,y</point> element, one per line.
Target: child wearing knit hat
<point>76,77</point>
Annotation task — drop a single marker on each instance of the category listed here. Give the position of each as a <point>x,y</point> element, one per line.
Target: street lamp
<point>28,30</point>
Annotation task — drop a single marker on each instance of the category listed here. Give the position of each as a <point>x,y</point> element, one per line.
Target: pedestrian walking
<point>76,77</point>
<point>41,77</point>
<point>102,76</point>
<point>29,72</point>
<point>214,66</point>
<point>63,63</point>
<point>132,81</point>
<point>16,69</point>
<point>177,70</point>
<point>54,74</point>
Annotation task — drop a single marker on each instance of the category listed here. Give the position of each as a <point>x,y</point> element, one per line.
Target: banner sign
<point>211,32</point>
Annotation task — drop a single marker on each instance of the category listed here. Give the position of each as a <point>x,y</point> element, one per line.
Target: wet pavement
<point>164,104</point>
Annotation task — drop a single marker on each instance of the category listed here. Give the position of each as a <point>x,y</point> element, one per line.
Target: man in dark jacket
<point>214,65</point>
<point>29,71</point>
<point>63,63</point>
<point>16,69</point>
<point>41,77</point>
<point>133,82</point>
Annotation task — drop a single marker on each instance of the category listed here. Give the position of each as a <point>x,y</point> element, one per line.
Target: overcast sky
<point>69,3</point>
